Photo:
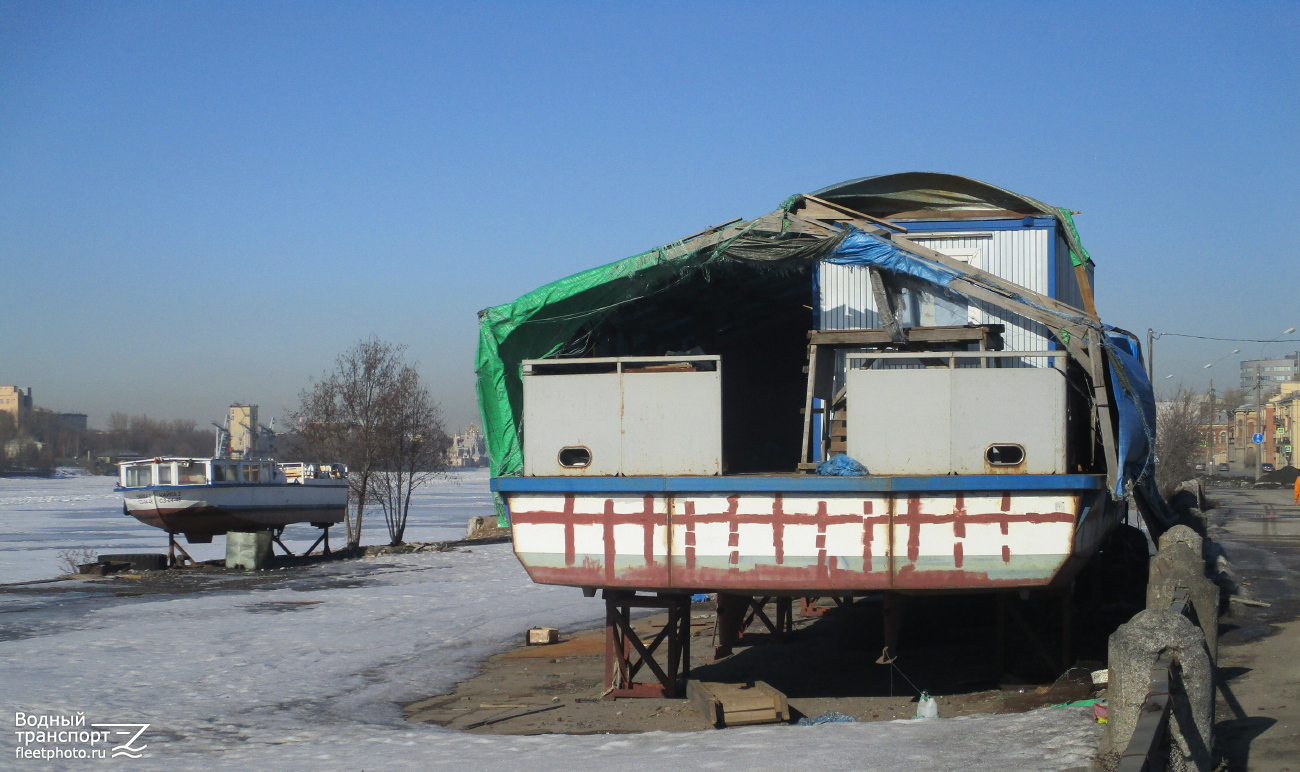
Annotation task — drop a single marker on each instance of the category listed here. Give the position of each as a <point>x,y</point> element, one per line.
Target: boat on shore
<point>206,497</point>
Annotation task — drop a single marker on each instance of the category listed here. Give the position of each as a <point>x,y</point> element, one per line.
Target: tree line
<point>40,439</point>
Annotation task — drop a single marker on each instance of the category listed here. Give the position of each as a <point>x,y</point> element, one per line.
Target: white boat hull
<point>215,509</point>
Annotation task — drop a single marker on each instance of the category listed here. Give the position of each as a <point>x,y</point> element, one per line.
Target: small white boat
<point>203,497</point>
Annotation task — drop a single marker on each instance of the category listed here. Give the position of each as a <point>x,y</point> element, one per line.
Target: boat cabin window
<point>164,474</point>
<point>139,476</point>
<point>193,473</point>
<point>252,473</point>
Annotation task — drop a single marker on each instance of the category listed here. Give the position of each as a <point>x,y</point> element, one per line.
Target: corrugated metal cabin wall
<point>1019,255</point>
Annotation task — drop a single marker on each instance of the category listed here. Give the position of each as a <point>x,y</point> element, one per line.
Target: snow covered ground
<point>40,518</point>
<point>254,679</point>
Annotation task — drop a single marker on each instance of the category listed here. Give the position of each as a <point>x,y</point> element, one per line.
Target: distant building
<point>1271,372</point>
<point>73,421</point>
<point>467,449</point>
<point>14,402</point>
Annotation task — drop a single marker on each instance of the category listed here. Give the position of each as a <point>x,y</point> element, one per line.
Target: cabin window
<point>139,476</point>
<point>1005,455</point>
<point>251,473</point>
<point>575,457</point>
<point>194,473</point>
<point>164,474</point>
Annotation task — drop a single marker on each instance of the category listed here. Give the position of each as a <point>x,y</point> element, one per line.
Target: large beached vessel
<point>204,497</point>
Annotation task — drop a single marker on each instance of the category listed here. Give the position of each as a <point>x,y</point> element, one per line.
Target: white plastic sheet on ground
<point>256,680</point>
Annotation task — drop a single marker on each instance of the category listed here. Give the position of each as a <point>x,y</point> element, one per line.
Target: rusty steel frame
<point>621,641</point>
<point>172,560</point>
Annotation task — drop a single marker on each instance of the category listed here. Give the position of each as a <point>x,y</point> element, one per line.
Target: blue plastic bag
<point>841,465</point>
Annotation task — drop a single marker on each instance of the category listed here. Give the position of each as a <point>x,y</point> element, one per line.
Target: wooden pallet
<point>738,704</point>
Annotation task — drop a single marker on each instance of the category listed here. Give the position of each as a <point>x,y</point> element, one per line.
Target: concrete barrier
<point>1133,651</point>
<point>1181,563</point>
<point>251,551</point>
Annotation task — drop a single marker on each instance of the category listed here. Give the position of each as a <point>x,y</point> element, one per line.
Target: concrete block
<point>251,551</point>
<point>1133,651</point>
<point>1180,565</point>
<point>1181,534</point>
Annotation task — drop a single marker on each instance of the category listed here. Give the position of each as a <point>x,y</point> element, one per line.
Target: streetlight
<point>1209,445</point>
<point>1259,405</point>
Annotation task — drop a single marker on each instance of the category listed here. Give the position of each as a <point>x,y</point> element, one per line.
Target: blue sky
<point>206,202</point>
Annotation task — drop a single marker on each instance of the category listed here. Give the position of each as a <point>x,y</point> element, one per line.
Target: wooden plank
<point>885,305</point>
<point>844,210</point>
<point>808,403</point>
<point>995,281</point>
<point>877,337</point>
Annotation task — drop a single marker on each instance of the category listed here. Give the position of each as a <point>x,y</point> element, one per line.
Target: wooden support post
<point>806,456</point>
<point>885,305</point>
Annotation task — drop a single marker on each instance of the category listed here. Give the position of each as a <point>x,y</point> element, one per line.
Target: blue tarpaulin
<point>1135,401</point>
<point>860,248</point>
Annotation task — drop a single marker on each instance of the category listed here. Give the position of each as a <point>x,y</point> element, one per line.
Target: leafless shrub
<point>374,414</point>
<point>414,449</point>
<point>1180,431</point>
<point>71,560</point>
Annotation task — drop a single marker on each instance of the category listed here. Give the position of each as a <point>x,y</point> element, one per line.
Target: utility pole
<point>1259,424</point>
<point>1209,445</point>
<point>1151,356</point>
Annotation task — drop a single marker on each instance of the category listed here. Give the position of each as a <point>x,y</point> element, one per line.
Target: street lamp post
<point>1259,406</point>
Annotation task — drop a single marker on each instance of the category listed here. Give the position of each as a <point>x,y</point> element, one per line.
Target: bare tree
<point>344,416</point>
<point>1180,435</point>
<point>415,447</point>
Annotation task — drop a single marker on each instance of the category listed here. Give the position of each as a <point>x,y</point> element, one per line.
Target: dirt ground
<point>826,665</point>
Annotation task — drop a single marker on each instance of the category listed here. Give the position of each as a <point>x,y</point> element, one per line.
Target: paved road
<point>1258,713</point>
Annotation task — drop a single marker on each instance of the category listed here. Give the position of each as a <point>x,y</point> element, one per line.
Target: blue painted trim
<point>931,226</point>
<point>800,484</point>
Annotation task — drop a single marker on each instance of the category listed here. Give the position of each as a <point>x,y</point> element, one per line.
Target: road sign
<point>1258,439</point>
<point>1286,448</point>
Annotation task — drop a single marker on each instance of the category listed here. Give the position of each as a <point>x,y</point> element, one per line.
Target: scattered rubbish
<point>1250,602</point>
<point>1080,703</point>
<point>738,704</point>
<point>700,597</point>
<point>841,465</point>
<point>499,719</point>
<point>834,717</point>
<point>1100,713</point>
<point>542,636</point>
<point>926,707</point>
<point>1100,677</point>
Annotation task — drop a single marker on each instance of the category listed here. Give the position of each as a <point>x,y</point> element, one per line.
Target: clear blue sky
<point>206,202</point>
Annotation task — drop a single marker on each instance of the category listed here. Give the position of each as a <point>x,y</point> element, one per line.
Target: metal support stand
<point>808,605</point>
<point>325,537</point>
<point>621,641</point>
<point>172,548</point>
<point>1006,608</point>
<point>275,537</point>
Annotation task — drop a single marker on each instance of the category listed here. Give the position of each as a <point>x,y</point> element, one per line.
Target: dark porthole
<point>575,458</point>
<point>1005,455</point>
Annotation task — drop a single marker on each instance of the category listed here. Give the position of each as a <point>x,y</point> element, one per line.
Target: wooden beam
<point>997,282</point>
<point>878,337</point>
<point>853,215</point>
<point>885,305</point>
